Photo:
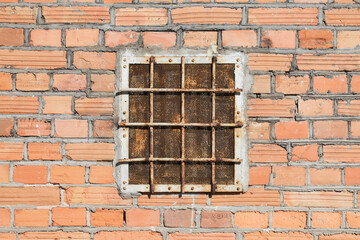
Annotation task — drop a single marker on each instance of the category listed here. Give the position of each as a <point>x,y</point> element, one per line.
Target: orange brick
<point>94,60</point>
<point>278,39</point>
<point>283,16</point>
<point>259,131</point>
<point>350,108</point>
<point>259,175</point>
<point>352,176</point>
<point>292,130</point>
<point>159,39</point>
<point>5,81</point>
<point>142,218</point>
<point>107,218</point>
<point>348,39</point>
<point>261,84</point>
<point>326,176</point>
<point>292,220</point>
<point>5,218</point>
<point>215,219</point>
<point>342,153</point>
<point>31,217</point>
<point>76,14</point>
<point>4,175</point>
<point>103,128</point>
<point>200,39</point>
<point>316,38</point>
<point>118,1</point>
<point>44,151</point>
<point>239,38</point>
<point>94,106</point>
<point>39,196</point>
<point>11,37</point>
<point>292,85</point>
<point>141,16</point>
<point>204,15</point>
<point>342,199</point>
<point>271,108</point>
<point>82,37</point>
<point>57,105</point>
<point>43,37</point>
<point>269,61</point>
<point>11,151</point>
<point>103,83</point>
<point>355,128</point>
<point>353,219</point>
<point>329,62</point>
<point>278,235</point>
<point>33,127</point>
<point>342,17</point>
<point>94,195</point>
<point>54,235</point>
<point>201,236</point>
<point>128,235</point>
<point>73,128</point>
<point>316,107</point>
<point>305,153</point>
<point>90,151</point>
<point>18,105</point>
<point>6,126</point>
<point>289,176</point>
<point>171,200</point>
<point>16,14</point>
<point>114,39</point>
<point>355,83</point>
<point>330,129</point>
<point>334,84</point>
<point>251,220</point>
<point>326,219</point>
<point>265,153</point>
<point>179,218</point>
<point>101,174</point>
<point>69,82</point>
<point>68,216</point>
<point>67,174</point>
<point>32,81</point>
<point>30,174</point>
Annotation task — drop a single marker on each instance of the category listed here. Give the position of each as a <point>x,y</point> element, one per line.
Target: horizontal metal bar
<point>161,124</point>
<point>216,90</point>
<point>180,160</point>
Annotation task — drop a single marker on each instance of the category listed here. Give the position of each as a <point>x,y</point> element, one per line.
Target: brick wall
<point>57,78</point>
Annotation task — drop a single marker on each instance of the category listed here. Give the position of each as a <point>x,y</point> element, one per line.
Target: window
<point>181,124</point>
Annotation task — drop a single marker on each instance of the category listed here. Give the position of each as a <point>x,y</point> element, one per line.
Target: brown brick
<point>141,16</point>
<point>76,14</point>
<point>5,218</point>
<point>103,83</point>
<point>69,82</point>
<point>16,14</point>
<point>33,127</point>
<point>316,38</point>
<point>305,153</point>
<point>114,39</point>
<point>94,60</point>
<point>283,16</point>
<point>4,177</point>
<point>203,15</point>
<point>201,236</point>
<point>329,62</point>
<point>292,130</point>
<point>39,196</point>
<point>330,129</point>
<point>278,39</point>
<point>239,38</point>
<point>261,84</point>
<point>164,40</point>
<point>73,128</point>
<point>259,175</point>
<point>11,151</point>
<point>94,106</point>
<point>289,176</point>
<point>259,131</point>
<point>44,37</point>
<point>30,174</point>
<point>251,220</point>
<point>350,108</point>
<point>44,151</point>
<point>269,61</point>
<point>199,39</point>
<point>334,84</point>
<point>6,125</point>
<point>11,37</point>
<point>326,176</point>
<point>342,17</point>
<point>179,218</point>
<point>128,235</point>
<point>215,219</point>
<point>326,219</point>
<point>267,153</point>
<point>67,174</point>
<point>107,218</point>
<point>101,174</point>
<point>31,218</point>
<point>57,105</point>
<point>292,220</point>
<point>82,37</point>
<point>68,216</point>
<point>18,105</point>
<point>271,108</point>
<point>292,85</point>
<point>142,218</point>
<point>319,199</point>
<point>5,81</point>
<point>54,235</point>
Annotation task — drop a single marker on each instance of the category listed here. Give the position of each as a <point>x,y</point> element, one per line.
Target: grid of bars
<point>182,124</point>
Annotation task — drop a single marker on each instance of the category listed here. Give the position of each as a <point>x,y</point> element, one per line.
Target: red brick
<point>142,218</point>
<point>4,175</point>
<point>334,84</point>
<point>141,16</point>
<point>159,39</point>
<point>67,174</point>
<point>316,107</point>
<point>259,175</point>
<point>292,130</point>
<point>32,81</point>
<point>5,81</point>
<point>18,105</point>
<point>114,39</point>
<point>94,106</point>
<point>326,219</point>
<point>283,16</point>
<point>6,126</point>
<point>82,37</point>
<point>342,17</point>
<point>205,15</point>
<point>329,62</point>
<point>239,38</point>
<point>201,236</point>
<point>11,37</point>
<point>278,235</point>
<point>200,39</point>
<point>326,176</point>
<point>171,200</point>
<point>251,220</point>
<point>292,85</point>
<point>342,199</point>
<point>355,129</point>
<point>16,14</point>
<point>266,153</point>
<point>179,218</point>
<point>76,14</point>
<point>259,131</point>
<point>68,216</point>
<point>307,153</point>
<point>215,219</point>
<point>90,151</point>
<point>350,108</point>
<point>107,218</point>
<point>5,218</point>
<point>69,82</point>
<point>270,61</point>
<point>289,176</point>
<point>39,196</point>
<point>103,83</point>
<point>33,127</point>
<point>330,129</point>
<point>316,38</point>
<point>57,105</point>
<point>54,235</point>
<point>342,153</point>
<point>11,151</point>
<point>30,174</point>
<point>292,220</point>
<point>43,37</point>
<point>73,128</point>
<point>355,83</point>
<point>128,235</point>
<point>278,39</point>
<point>103,128</point>
<point>353,219</point>
<point>101,174</point>
<point>261,84</point>
<point>271,108</point>
<point>31,218</point>
<point>94,60</point>
<point>44,151</point>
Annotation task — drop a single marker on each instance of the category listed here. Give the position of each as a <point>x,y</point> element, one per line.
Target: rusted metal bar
<point>182,122</point>
<point>182,160</point>
<point>165,124</point>
<point>213,95</point>
<point>152,60</point>
<point>218,90</point>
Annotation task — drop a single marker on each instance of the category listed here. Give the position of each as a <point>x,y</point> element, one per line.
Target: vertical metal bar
<point>213,180</point>
<point>182,128</point>
<point>152,60</point>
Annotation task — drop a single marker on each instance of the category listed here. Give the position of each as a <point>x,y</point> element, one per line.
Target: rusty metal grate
<point>180,125</point>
